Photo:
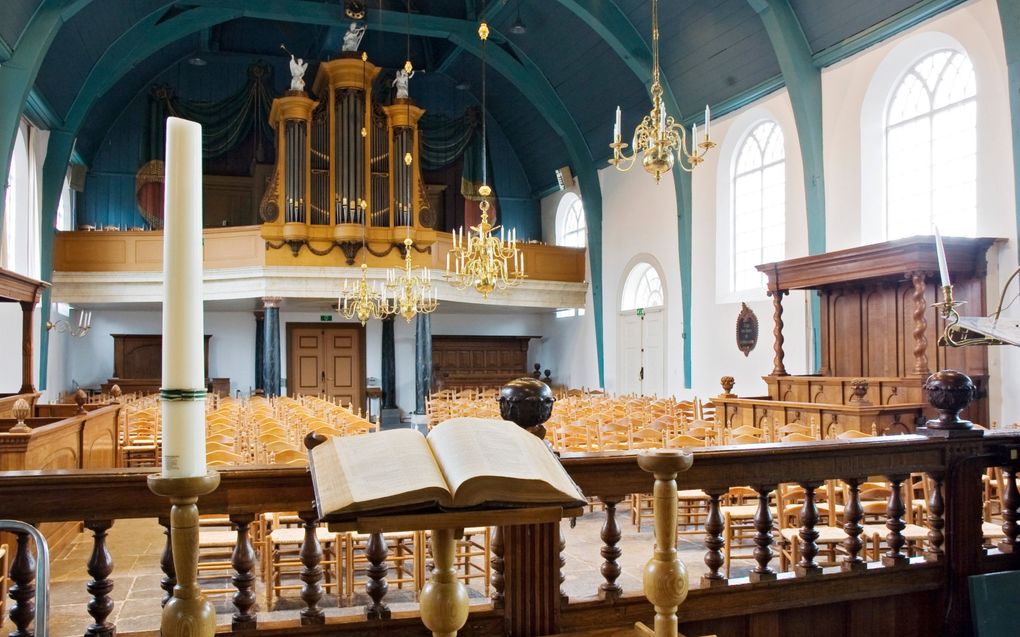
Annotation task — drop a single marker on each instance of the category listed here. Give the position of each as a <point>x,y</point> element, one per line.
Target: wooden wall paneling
<point>140,356</point>
<point>478,361</point>
<point>327,358</point>
<point>847,333</point>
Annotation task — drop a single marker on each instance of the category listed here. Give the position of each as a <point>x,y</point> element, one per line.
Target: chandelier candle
<point>183,385</point>
<point>940,251</point>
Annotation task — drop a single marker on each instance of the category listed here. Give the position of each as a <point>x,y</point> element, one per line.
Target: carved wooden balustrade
<point>921,595</point>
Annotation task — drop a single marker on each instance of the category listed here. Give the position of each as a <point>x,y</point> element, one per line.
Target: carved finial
<point>859,388</point>
<point>116,393</point>
<point>949,391</point>
<point>21,411</point>
<point>727,383</point>
<point>313,440</point>
<point>80,398</point>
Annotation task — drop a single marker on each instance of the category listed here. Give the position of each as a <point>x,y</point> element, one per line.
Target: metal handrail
<point>42,576</point>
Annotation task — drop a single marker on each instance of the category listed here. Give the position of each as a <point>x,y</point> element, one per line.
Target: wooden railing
<point>921,595</point>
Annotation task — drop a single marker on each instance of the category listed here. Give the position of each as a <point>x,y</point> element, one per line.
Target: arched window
<point>642,289</point>
<point>759,204</point>
<point>15,207</point>
<point>931,148</point>
<point>571,230</point>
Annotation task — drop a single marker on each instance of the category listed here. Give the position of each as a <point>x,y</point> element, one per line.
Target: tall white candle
<point>940,251</point>
<point>183,330</point>
<point>708,120</point>
<point>617,126</point>
<point>694,139</point>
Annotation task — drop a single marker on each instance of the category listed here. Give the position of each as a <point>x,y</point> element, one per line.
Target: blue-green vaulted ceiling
<point>712,50</point>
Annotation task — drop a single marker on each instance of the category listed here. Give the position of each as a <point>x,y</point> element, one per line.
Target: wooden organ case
<point>347,169</point>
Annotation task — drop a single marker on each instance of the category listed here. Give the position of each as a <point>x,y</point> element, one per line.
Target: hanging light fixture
<point>412,290</point>
<point>485,261</point>
<point>659,135</point>
<point>363,300</point>
<point>518,27</point>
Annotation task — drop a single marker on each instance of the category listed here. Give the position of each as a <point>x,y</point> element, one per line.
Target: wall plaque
<point>747,329</point>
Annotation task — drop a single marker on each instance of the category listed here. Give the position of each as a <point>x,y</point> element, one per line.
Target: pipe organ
<point>347,168</point>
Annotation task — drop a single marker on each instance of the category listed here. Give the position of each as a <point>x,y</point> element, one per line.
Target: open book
<point>464,463</point>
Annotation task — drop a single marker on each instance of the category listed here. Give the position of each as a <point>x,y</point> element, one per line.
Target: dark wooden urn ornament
<point>747,329</point>
<point>949,391</point>
<point>528,403</point>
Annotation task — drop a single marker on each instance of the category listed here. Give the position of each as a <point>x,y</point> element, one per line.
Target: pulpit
<point>879,336</point>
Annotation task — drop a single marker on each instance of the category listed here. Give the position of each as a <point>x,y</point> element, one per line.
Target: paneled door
<point>325,359</point>
<point>641,352</point>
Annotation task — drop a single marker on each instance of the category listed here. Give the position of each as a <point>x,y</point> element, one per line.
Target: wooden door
<point>326,360</point>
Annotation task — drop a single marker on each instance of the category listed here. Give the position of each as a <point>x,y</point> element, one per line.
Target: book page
<point>497,461</point>
<point>376,470</point>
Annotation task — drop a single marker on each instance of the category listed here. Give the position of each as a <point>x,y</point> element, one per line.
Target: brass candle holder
<point>187,613</point>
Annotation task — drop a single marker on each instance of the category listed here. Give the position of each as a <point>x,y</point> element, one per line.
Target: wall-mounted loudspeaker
<point>564,177</point>
<point>76,177</point>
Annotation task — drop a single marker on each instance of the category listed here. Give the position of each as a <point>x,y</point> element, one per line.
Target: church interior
<point>748,268</point>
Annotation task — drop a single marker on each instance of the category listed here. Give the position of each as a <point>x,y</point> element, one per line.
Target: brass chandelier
<point>659,135</point>
<point>486,262</point>
<point>363,300</point>
<point>413,293</point>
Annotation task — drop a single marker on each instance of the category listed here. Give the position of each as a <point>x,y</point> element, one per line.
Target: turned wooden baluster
<point>1010,512</point>
<point>243,560</point>
<point>894,522</point>
<point>714,540</point>
<point>496,562</point>
<point>166,562</point>
<point>100,566</point>
<point>853,513</point>
<point>778,368</point>
<point>936,521</point>
<point>763,536</point>
<point>920,325</point>
<point>610,535</point>
<point>807,567</point>
<point>311,571</point>
<point>22,590</point>
<point>377,585</point>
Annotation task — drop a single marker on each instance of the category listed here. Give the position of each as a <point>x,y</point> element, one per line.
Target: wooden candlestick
<point>188,613</point>
<point>665,576</point>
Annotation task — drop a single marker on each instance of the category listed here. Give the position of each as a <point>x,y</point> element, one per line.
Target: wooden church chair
<point>738,525</point>
<point>852,434</point>
<point>798,437</point>
<point>646,438</point>
<point>218,458</point>
<point>470,558</point>
<point>4,570</point>
<point>290,456</point>
<point>789,500</point>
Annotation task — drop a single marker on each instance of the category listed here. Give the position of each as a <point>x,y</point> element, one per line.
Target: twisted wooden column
<point>853,513</point>
<point>936,519</point>
<point>713,540</point>
<point>22,590</point>
<point>377,585</point>
<point>778,368</point>
<point>895,524</point>
<point>920,325</point>
<point>311,571</point>
<point>763,537</point>
<point>100,566</point>
<point>243,561</point>
<point>610,552</point>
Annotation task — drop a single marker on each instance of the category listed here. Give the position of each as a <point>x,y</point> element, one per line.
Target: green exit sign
<point>641,311</point>
<point>326,318</point>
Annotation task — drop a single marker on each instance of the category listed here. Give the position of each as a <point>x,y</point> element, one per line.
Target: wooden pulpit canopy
<point>15,288</point>
<point>888,260</point>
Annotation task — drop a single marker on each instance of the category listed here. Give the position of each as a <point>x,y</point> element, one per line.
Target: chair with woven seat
<point>405,556</point>
<point>738,524</point>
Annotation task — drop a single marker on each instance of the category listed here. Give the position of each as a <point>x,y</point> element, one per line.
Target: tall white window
<point>642,289</point>
<point>571,230</point>
<point>759,204</point>
<point>931,148</point>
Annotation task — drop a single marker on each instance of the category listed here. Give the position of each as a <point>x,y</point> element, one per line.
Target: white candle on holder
<point>940,251</point>
<point>183,386</point>
<point>617,127</point>
<point>694,139</point>
<point>708,120</point>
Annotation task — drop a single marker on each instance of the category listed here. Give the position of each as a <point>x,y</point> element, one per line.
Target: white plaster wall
<point>639,220</point>
<point>231,348</point>
<point>714,305</point>
<point>10,348</point>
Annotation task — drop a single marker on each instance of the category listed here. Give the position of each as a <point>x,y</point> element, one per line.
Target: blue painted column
<point>422,361</point>
<point>1009,14</point>
<point>389,365</point>
<point>271,345</point>
<point>260,347</point>
<point>804,84</point>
